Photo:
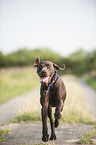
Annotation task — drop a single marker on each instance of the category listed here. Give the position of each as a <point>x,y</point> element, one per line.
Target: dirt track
<point>31,134</point>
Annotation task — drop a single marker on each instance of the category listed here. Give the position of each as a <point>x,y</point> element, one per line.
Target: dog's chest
<point>53,98</point>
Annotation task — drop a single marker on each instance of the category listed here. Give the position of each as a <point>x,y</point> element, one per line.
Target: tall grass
<point>75,109</point>
<point>16,81</point>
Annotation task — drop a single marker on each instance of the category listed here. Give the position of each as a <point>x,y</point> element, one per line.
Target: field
<point>16,81</point>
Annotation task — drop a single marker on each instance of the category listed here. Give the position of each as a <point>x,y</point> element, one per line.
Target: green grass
<point>87,139</point>
<point>75,110</point>
<point>90,79</point>
<point>92,82</point>
<point>16,81</point>
<point>3,133</point>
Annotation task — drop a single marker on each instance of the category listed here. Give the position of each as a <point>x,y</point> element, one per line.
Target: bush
<point>79,62</point>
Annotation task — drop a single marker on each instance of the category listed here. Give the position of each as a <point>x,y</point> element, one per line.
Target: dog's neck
<point>53,80</point>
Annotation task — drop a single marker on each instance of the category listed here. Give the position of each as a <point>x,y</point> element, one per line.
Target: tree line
<point>78,62</point>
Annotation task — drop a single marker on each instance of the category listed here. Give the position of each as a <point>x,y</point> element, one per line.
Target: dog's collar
<point>49,85</point>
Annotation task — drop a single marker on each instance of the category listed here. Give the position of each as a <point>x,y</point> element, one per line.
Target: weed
<point>87,139</point>
<point>3,133</point>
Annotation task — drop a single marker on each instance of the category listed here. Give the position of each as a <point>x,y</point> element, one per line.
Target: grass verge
<point>87,139</point>
<point>3,133</point>
<point>75,109</point>
<point>16,81</point>
<point>92,82</point>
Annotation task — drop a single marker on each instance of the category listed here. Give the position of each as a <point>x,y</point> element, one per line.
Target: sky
<point>64,26</point>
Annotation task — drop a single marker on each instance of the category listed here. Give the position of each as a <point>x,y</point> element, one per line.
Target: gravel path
<point>27,134</point>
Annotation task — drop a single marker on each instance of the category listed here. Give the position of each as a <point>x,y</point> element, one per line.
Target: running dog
<point>53,94</point>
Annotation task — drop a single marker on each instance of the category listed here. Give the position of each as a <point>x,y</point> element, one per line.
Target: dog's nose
<point>43,71</point>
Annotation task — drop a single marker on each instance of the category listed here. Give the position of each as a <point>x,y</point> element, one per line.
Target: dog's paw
<point>53,137</point>
<point>56,123</point>
<point>57,116</point>
<point>45,138</point>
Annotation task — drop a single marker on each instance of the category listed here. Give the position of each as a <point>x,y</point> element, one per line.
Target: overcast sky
<point>61,25</point>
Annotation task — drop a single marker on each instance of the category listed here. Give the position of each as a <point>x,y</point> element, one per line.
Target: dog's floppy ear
<point>37,61</point>
<point>57,67</point>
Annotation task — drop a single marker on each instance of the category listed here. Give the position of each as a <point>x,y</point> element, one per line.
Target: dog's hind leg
<point>53,136</point>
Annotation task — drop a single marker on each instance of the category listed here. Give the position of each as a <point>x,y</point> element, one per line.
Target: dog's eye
<point>40,67</point>
<point>48,66</point>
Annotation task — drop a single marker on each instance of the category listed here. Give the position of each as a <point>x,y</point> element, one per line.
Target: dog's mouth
<point>45,79</point>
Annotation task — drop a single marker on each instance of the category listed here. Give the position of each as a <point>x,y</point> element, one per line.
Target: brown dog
<point>53,94</point>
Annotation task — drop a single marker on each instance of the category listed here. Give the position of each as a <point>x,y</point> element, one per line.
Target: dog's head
<point>46,70</point>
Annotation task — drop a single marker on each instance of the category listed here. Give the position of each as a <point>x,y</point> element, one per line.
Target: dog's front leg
<point>57,113</point>
<point>44,113</point>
